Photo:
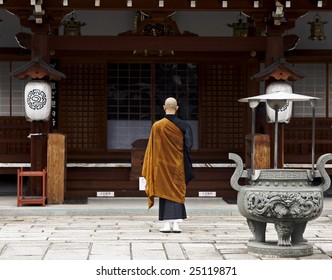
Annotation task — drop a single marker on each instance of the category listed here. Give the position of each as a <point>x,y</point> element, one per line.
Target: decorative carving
<point>303,205</point>
<point>156,23</point>
<point>284,230</point>
<point>283,175</point>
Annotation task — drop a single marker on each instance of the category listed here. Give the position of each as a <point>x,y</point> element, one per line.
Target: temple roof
<point>279,70</point>
<point>37,68</point>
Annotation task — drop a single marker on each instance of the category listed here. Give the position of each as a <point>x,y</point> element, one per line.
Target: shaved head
<point>171,104</point>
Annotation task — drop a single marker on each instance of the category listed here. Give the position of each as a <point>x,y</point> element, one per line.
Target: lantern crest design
<point>36,99</point>
<point>37,96</point>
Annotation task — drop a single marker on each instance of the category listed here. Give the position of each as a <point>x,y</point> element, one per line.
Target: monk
<point>167,166</point>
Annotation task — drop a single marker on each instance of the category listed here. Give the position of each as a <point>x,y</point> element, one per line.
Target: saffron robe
<point>163,166</point>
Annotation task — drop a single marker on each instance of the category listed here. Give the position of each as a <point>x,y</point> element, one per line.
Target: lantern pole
<point>313,105</point>
<point>276,105</point>
<point>275,136</point>
<point>253,104</point>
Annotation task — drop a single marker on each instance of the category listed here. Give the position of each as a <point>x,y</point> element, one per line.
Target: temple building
<point>111,65</point>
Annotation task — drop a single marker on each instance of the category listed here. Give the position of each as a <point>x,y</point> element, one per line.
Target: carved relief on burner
<point>302,205</point>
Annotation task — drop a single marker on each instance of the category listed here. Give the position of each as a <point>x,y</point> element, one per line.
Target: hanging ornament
<point>37,98</point>
<point>240,28</point>
<point>72,27</point>
<point>285,112</point>
<point>317,29</point>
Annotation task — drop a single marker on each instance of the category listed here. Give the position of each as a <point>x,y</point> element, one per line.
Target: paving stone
<point>202,251</point>
<point>67,255</point>
<point>174,251</point>
<point>239,257</point>
<point>24,249</point>
<point>317,257</point>
<point>23,258</point>
<point>325,247</point>
<point>110,251</point>
<point>34,236</point>
<point>148,251</point>
<point>70,246</point>
<point>229,248</point>
<point>68,251</point>
<point>8,236</point>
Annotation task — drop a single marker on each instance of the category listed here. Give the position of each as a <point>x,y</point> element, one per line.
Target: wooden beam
<point>238,5</point>
<point>175,43</point>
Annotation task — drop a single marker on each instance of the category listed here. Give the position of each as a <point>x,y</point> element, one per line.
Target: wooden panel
<point>83,105</point>
<point>222,116</point>
<point>82,182</point>
<point>98,174</point>
<point>13,135</point>
<point>56,171</point>
<point>298,139</point>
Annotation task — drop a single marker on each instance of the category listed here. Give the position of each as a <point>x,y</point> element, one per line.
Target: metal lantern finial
<point>317,29</point>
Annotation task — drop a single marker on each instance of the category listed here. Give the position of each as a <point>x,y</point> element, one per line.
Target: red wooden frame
<point>36,200</point>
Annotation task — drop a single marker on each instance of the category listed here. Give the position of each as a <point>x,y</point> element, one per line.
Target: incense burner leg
<point>284,231</point>
<point>297,234</point>
<point>258,230</point>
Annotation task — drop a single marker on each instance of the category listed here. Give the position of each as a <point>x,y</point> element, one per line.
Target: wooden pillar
<point>274,48</point>
<point>40,45</point>
<point>38,144</point>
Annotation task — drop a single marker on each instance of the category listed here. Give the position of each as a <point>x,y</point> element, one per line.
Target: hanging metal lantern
<point>317,29</point>
<point>72,27</point>
<point>285,112</point>
<point>240,28</point>
<point>38,99</point>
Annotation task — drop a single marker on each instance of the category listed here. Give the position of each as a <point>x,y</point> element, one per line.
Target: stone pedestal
<point>271,249</point>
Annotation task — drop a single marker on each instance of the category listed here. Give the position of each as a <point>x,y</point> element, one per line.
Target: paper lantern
<point>284,113</point>
<point>37,98</point>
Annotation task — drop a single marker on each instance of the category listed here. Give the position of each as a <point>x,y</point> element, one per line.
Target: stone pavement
<point>123,229</point>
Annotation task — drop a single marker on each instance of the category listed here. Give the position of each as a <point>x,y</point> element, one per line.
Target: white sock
<point>176,226</point>
<point>167,226</point>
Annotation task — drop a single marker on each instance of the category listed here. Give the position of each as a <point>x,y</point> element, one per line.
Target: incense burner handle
<point>326,180</point>
<point>238,173</point>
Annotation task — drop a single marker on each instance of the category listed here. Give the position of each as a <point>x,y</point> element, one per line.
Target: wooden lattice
<point>83,105</point>
<point>221,115</point>
<point>13,135</point>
